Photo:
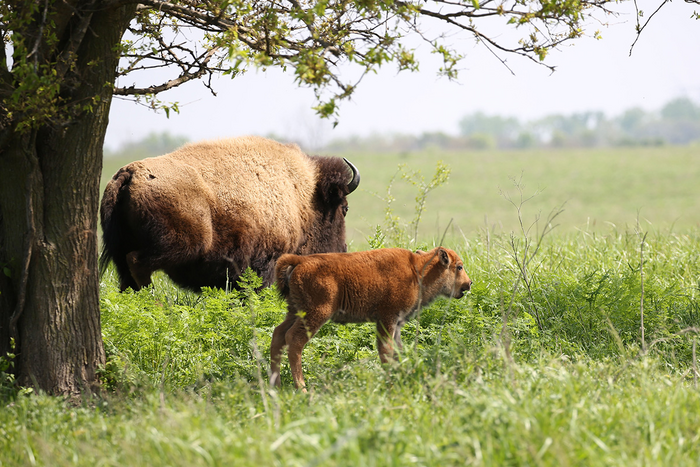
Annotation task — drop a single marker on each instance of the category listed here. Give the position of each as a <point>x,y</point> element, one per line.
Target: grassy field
<point>547,374</point>
<point>596,187</point>
<point>543,363</point>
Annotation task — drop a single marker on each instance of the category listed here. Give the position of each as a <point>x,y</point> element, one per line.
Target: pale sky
<point>591,75</point>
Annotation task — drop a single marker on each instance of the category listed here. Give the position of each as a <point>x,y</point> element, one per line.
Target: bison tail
<point>110,219</point>
<point>283,272</point>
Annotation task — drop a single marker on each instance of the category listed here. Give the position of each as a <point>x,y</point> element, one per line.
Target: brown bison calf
<point>386,286</point>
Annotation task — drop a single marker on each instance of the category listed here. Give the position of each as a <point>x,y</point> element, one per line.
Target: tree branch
<point>316,43</point>
<point>67,55</point>
<point>641,28</point>
<point>183,78</point>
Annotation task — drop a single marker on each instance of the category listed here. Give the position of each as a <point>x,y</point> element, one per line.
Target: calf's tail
<point>283,272</point>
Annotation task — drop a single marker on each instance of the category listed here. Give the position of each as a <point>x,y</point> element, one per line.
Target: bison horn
<point>352,185</point>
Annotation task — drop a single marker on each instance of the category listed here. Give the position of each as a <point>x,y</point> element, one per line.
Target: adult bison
<point>207,211</point>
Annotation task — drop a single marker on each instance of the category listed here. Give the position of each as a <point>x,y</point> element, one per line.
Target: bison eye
<point>345,210</point>
<point>460,267</point>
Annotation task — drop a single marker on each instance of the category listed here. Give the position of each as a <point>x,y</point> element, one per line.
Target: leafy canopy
<point>329,45</point>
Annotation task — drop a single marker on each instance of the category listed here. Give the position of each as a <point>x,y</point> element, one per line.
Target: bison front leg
<point>277,345</point>
<point>385,340</point>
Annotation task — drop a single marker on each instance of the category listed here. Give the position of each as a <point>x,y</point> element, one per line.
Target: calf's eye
<point>459,268</point>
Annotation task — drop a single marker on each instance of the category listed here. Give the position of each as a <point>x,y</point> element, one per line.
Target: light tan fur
<point>204,181</point>
<point>385,286</point>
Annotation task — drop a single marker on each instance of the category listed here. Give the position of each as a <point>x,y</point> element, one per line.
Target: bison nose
<point>466,287</point>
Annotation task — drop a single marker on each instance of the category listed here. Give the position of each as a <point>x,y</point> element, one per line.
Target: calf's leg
<point>385,339</point>
<point>277,344</point>
<point>296,338</point>
<point>397,335</point>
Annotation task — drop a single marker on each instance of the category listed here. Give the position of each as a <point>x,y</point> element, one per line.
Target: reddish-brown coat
<point>386,286</point>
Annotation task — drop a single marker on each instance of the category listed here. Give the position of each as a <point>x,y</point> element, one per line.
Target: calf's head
<point>447,271</point>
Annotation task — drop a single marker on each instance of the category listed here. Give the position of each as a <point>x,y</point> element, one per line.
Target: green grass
<point>505,376</point>
<point>554,412</point>
<point>538,365</point>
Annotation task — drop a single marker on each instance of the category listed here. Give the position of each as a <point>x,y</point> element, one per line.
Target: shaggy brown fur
<point>207,211</point>
<point>386,286</point>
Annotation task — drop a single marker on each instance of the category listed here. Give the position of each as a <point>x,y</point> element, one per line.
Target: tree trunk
<point>49,197</point>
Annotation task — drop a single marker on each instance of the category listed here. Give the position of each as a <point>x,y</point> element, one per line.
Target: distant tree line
<point>676,123</point>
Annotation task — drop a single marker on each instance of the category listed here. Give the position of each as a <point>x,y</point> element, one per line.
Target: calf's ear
<point>444,257</point>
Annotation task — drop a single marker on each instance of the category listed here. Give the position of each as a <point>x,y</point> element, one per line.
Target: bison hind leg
<point>296,338</point>
<point>125,279</point>
<point>140,271</point>
<point>303,329</point>
<point>277,345</point>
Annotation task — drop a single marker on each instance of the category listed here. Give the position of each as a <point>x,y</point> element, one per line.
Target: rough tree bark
<point>49,195</point>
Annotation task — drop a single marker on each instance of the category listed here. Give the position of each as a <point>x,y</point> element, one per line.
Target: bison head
<point>334,183</point>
